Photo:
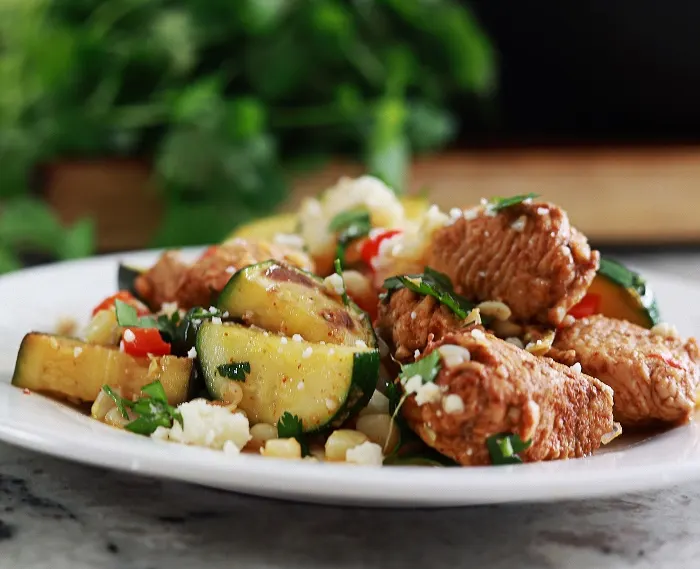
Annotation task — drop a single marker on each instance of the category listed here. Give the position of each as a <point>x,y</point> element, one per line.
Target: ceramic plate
<point>35,299</point>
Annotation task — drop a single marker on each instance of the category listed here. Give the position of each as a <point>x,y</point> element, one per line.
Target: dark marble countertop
<point>59,515</point>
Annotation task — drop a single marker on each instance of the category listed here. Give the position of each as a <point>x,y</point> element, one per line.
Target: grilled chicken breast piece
<point>503,389</point>
<point>527,256</point>
<point>654,373</point>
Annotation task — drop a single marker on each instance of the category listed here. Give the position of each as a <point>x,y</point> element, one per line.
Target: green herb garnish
<point>504,448</point>
<point>236,371</point>
<point>435,284</point>
<point>499,204</point>
<point>290,427</point>
<point>339,271</point>
<point>427,368</point>
<point>349,225</point>
<point>393,393</point>
<point>153,409</point>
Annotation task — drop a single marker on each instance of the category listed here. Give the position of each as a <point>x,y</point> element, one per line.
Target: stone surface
<point>59,515</point>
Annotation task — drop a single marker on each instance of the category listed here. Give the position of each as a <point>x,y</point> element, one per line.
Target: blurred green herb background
<point>224,99</point>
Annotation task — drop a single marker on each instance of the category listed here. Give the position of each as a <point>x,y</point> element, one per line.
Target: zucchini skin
<point>640,295</point>
<point>282,298</point>
<point>126,278</point>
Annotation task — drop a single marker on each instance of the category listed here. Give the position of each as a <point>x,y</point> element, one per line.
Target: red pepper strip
<point>589,305</point>
<point>124,296</point>
<point>370,248</point>
<point>140,342</point>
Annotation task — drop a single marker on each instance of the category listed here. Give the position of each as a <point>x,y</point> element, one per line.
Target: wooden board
<point>615,196</point>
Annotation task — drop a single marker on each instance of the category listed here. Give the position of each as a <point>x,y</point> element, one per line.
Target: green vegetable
<point>435,284</point>
<point>236,370</point>
<point>499,204</point>
<point>427,368</point>
<point>290,427</point>
<point>339,272</point>
<point>152,409</point>
<point>504,448</point>
<point>349,225</point>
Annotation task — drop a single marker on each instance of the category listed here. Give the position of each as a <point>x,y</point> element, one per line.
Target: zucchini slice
<point>75,370</point>
<point>322,384</point>
<point>624,294</point>
<point>281,298</point>
<point>126,277</point>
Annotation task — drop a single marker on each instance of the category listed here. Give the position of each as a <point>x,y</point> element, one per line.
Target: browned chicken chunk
<point>500,388</point>
<point>527,256</point>
<point>409,320</point>
<point>654,374</point>
<point>172,280</point>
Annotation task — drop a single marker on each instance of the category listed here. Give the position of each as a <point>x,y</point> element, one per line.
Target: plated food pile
<point>373,330</point>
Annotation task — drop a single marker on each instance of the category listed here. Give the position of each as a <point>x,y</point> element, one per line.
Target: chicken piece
<point>654,373</point>
<point>198,284</point>
<point>527,256</point>
<point>411,320</point>
<point>504,389</point>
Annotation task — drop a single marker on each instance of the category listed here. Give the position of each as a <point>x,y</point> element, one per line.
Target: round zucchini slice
<point>281,298</point>
<point>624,294</point>
<point>323,385</point>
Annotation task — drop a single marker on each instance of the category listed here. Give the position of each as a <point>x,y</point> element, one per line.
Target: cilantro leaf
<point>339,271</point>
<point>427,368</point>
<point>349,225</point>
<point>290,427</point>
<point>119,401</point>
<point>435,284</point>
<point>126,314</point>
<point>499,204</point>
<point>504,448</point>
<point>153,410</point>
<point>236,370</point>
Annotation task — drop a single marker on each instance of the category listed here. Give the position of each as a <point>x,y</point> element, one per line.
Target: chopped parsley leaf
<point>339,271</point>
<point>499,204</point>
<point>427,368</point>
<point>153,410</point>
<point>236,371</point>
<point>435,284</point>
<point>504,448</point>
<point>126,314</point>
<point>290,427</point>
<point>349,225</point>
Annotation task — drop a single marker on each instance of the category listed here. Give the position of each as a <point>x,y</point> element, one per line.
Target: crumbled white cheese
<point>121,346</point>
<point>368,454</point>
<point>300,385</point>
<point>454,355</point>
<point>169,308</point>
<point>192,353</point>
<point>456,213</point>
<point>542,211</point>
<point>331,351</point>
<point>213,309</point>
<point>519,224</point>
<point>334,284</point>
<point>487,234</point>
<point>453,403</point>
<point>307,352</point>
<point>576,367</point>
<point>216,320</point>
<point>330,404</point>
<point>478,334</point>
<point>527,201</point>
<point>322,343</point>
<point>471,214</point>
<point>207,425</point>
<point>481,274</point>
<point>413,384</point>
<point>516,342</point>
<point>413,315</point>
<point>77,351</point>
<point>230,270</point>
<point>283,340</point>
<point>297,338</point>
<point>225,314</point>
<point>289,240</point>
<point>428,393</point>
<point>360,344</point>
<point>129,336</point>
<point>416,354</point>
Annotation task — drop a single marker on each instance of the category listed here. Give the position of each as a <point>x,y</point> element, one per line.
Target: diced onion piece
<point>340,441</point>
<point>379,429</point>
<point>282,448</point>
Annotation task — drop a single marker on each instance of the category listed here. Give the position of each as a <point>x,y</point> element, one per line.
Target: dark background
<point>600,71</point>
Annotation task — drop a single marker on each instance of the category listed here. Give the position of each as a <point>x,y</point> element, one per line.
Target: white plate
<point>35,299</point>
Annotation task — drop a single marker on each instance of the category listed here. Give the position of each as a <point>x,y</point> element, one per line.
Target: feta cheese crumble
<point>297,338</point>
<point>307,352</point>
<point>207,425</point>
<point>129,336</point>
<point>453,404</point>
<point>192,353</point>
<point>334,284</point>
<point>216,320</point>
<point>428,393</point>
<point>77,351</point>
<point>576,367</point>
